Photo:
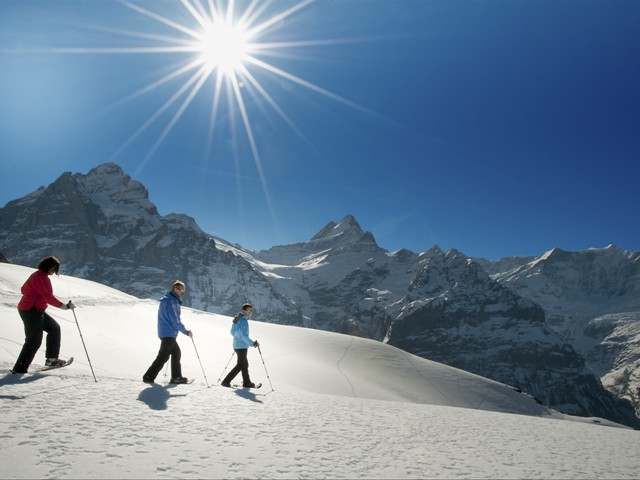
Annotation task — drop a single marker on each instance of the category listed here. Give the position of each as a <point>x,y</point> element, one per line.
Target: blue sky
<point>494,127</point>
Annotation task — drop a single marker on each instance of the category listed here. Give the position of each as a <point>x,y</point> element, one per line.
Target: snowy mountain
<point>592,300</point>
<point>332,406</point>
<point>439,305</point>
<point>103,227</point>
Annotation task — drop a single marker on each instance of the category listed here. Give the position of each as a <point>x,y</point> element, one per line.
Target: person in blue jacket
<point>169,325</point>
<point>241,344</point>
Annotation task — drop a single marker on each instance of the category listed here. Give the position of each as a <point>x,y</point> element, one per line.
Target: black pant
<point>242,365</point>
<point>35,323</point>
<point>168,348</point>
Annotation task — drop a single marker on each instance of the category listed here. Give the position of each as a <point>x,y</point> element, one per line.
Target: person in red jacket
<point>37,294</point>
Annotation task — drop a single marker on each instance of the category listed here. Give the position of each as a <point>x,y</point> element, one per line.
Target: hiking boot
<point>55,362</point>
<point>179,380</point>
<point>249,385</point>
<point>147,379</point>
<point>226,384</point>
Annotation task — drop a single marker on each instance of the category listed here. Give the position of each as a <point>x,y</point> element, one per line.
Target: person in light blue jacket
<point>169,325</point>
<point>241,344</point>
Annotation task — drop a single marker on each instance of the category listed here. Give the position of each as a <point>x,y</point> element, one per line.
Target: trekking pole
<point>225,367</point>
<point>85,347</point>
<point>166,369</point>
<point>205,375</point>
<point>265,368</point>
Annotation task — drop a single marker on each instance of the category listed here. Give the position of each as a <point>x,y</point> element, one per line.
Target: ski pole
<point>225,367</point>
<point>166,369</point>
<point>265,368</point>
<point>205,375</point>
<point>85,347</point>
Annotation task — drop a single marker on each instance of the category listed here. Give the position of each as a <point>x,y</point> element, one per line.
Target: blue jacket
<point>240,332</point>
<point>169,323</point>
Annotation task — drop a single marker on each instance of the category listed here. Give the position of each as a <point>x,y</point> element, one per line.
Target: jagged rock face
<point>456,314</point>
<point>595,273</point>
<point>343,279</point>
<point>440,305</point>
<point>103,227</point>
<point>592,300</point>
<point>615,353</point>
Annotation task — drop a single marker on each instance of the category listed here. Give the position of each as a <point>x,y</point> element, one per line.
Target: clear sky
<point>494,127</point>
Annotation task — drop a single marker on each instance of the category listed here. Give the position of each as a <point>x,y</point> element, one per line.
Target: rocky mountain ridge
<point>103,227</point>
<point>489,318</point>
<point>592,300</point>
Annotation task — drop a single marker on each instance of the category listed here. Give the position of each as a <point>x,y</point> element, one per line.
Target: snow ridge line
<point>408,357</point>
<point>353,390</point>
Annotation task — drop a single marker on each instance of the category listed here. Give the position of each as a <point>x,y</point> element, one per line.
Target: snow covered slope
<point>332,406</point>
<point>439,305</point>
<point>120,333</point>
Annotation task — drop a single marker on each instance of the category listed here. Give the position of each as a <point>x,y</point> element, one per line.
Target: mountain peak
<point>108,186</point>
<point>345,232</point>
<point>108,168</point>
<point>554,252</point>
<point>332,230</point>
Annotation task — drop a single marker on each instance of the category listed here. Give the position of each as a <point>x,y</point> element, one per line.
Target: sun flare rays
<point>217,50</point>
<point>224,45</point>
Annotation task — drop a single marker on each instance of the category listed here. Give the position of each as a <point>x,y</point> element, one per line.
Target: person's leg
<point>33,323</point>
<point>166,348</point>
<point>176,354</point>
<point>237,368</point>
<point>244,366</point>
<point>54,336</point>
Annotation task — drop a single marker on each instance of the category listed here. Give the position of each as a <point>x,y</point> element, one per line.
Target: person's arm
<point>169,316</point>
<point>42,285</point>
<point>244,333</point>
<point>176,319</point>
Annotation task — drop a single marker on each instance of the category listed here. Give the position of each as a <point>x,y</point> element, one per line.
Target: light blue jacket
<point>169,323</point>
<point>240,332</point>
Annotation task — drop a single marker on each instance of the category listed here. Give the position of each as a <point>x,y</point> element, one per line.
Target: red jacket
<point>37,292</point>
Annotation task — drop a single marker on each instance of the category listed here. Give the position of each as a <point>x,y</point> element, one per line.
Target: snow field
<point>342,407</point>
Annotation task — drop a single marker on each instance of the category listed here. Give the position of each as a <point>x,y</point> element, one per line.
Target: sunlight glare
<point>224,46</point>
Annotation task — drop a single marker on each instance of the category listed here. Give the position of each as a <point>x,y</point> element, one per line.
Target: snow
<point>331,406</point>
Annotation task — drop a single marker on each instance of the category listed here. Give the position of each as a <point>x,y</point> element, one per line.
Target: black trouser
<point>242,365</point>
<point>35,323</point>
<point>168,348</point>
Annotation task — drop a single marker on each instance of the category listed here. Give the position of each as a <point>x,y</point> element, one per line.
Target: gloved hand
<point>68,306</point>
<point>190,333</point>
<point>256,343</point>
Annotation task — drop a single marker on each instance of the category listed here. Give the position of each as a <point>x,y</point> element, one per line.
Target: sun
<point>224,46</point>
<point>218,47</point>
